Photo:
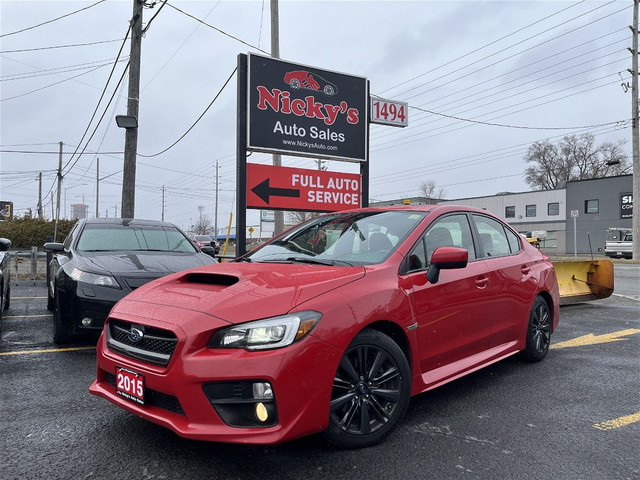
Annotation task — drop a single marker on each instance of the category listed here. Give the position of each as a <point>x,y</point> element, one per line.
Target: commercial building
<point>567,220</point>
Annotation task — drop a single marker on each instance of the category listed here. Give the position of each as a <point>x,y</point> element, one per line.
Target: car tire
<point>295,84</point>
<point>538,331</point>
<point>60,336</point>
<point>371,391</point>
<point>329,90</point>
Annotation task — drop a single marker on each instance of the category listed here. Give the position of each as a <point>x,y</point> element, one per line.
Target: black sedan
<point>5,284</point>
<point>102,260</point>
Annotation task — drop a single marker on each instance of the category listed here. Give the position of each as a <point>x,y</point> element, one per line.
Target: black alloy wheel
<point>371,391</point>
<point>538,331</point>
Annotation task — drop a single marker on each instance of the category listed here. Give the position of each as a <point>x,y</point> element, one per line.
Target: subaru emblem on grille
<point>135,335</point>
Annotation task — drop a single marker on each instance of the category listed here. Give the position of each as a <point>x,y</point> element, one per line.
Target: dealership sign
<point>626,205</point>
<point>305,111</point>
<point>284,188</point>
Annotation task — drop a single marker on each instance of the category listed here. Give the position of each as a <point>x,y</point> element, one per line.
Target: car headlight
<point>276,332</point>
<point>93,279</point>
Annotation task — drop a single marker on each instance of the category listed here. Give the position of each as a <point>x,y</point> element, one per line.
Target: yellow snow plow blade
<point>581,281</point>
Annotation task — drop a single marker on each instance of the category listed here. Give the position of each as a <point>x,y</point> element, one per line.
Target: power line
<point>194,123</point>
<point>51,21</point>
<point>35,49</point>
<point>219,30</point>
<point>523,41</point>
<point>59,70</point>
<point>466,55</point>
<point>53,84</point>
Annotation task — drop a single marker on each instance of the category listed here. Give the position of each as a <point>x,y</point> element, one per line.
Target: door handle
<point>525,269</point>
<point>481,282</point>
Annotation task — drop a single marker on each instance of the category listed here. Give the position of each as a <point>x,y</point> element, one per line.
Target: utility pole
<point>215,220</point>
<point>131,134</point>
<point>97,186</point>
<point>55,229</point>
<point>278,215</point>
<point>635,135</point>
<point>40,214</point>
<point>163,203</point>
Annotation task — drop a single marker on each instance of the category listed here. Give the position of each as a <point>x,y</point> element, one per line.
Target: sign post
<point>574,215</point>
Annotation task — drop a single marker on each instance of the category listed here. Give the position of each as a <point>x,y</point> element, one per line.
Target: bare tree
<point>573,158</point>
<point>431,191</point>
<point>203,225</point>
<point>294,218</point>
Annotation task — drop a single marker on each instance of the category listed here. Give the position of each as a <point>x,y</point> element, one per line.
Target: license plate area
<point>130,385</point>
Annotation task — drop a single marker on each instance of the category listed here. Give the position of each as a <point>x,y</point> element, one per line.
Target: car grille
<point>156,346</point>
<point>135,282</point>
<point>153,397</point>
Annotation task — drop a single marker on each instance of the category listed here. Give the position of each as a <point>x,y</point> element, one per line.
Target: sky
<point>483,80</point>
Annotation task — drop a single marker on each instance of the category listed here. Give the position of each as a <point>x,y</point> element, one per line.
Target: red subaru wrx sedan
<point>330,327</point>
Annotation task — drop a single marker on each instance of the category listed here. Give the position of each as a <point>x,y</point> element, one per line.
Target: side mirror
<point>53,247</point>
<point>5,244</point>
<point>209,250</point>
<point>446,258</point>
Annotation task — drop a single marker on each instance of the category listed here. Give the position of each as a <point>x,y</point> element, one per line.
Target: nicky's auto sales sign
<point>304,111</point>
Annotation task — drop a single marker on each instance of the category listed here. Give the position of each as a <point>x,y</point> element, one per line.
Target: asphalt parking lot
<point>574,416</point>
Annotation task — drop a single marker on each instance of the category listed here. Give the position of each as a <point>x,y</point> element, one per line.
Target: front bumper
<point>176,394</point>
<point>79,301</point>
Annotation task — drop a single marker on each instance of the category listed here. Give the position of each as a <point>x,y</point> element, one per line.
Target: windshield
<point>358,238</point>
<point>616,235</point>
<point>116,237</point>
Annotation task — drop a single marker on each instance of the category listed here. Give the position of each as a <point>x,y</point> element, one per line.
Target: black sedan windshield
<point>361,238</point>
<point>97,238</point>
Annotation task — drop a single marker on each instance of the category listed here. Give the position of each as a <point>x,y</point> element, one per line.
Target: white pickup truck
<point>619,243</point>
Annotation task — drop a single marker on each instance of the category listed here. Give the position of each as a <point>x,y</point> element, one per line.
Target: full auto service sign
<point>305,111</point>
<point>284,188</point>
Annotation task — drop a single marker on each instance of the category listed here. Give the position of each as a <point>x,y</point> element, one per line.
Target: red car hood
<point>235,292</point>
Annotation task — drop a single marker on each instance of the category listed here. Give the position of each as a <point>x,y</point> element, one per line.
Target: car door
<point>454,315</point>
<point>508,269</point>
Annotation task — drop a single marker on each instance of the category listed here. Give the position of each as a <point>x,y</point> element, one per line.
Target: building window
<point>553,208</point>
<point>531,210</point>
<point>591,206</point>
<point>510,212</point>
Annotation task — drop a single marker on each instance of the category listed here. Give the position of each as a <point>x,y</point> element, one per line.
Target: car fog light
<point>86,321</point>
<point>261,412</point>
<point>262,391</point>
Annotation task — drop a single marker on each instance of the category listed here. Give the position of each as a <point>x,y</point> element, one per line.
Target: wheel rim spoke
<point>366,390</point>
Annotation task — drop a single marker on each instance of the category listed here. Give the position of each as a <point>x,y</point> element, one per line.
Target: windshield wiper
<point>315,261</point>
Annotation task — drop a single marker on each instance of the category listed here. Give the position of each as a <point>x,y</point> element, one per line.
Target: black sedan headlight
<point>275,332</point>
<point>94,279</point>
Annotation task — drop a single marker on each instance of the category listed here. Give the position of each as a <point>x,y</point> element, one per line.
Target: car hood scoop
<point>211,279</point>
<point>238,292</point>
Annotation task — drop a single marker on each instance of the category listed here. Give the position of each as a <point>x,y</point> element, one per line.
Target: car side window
<point>449,231</point>
<point>493,238</point>
<point>514,241</point>
<point>69,239</point>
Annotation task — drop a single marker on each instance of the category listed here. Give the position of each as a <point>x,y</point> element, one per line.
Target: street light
<point>127,121</point>
<point>65,196</point>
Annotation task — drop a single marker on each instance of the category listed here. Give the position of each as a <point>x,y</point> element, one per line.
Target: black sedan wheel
<point>370,393</point>
<point>538,331</point>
